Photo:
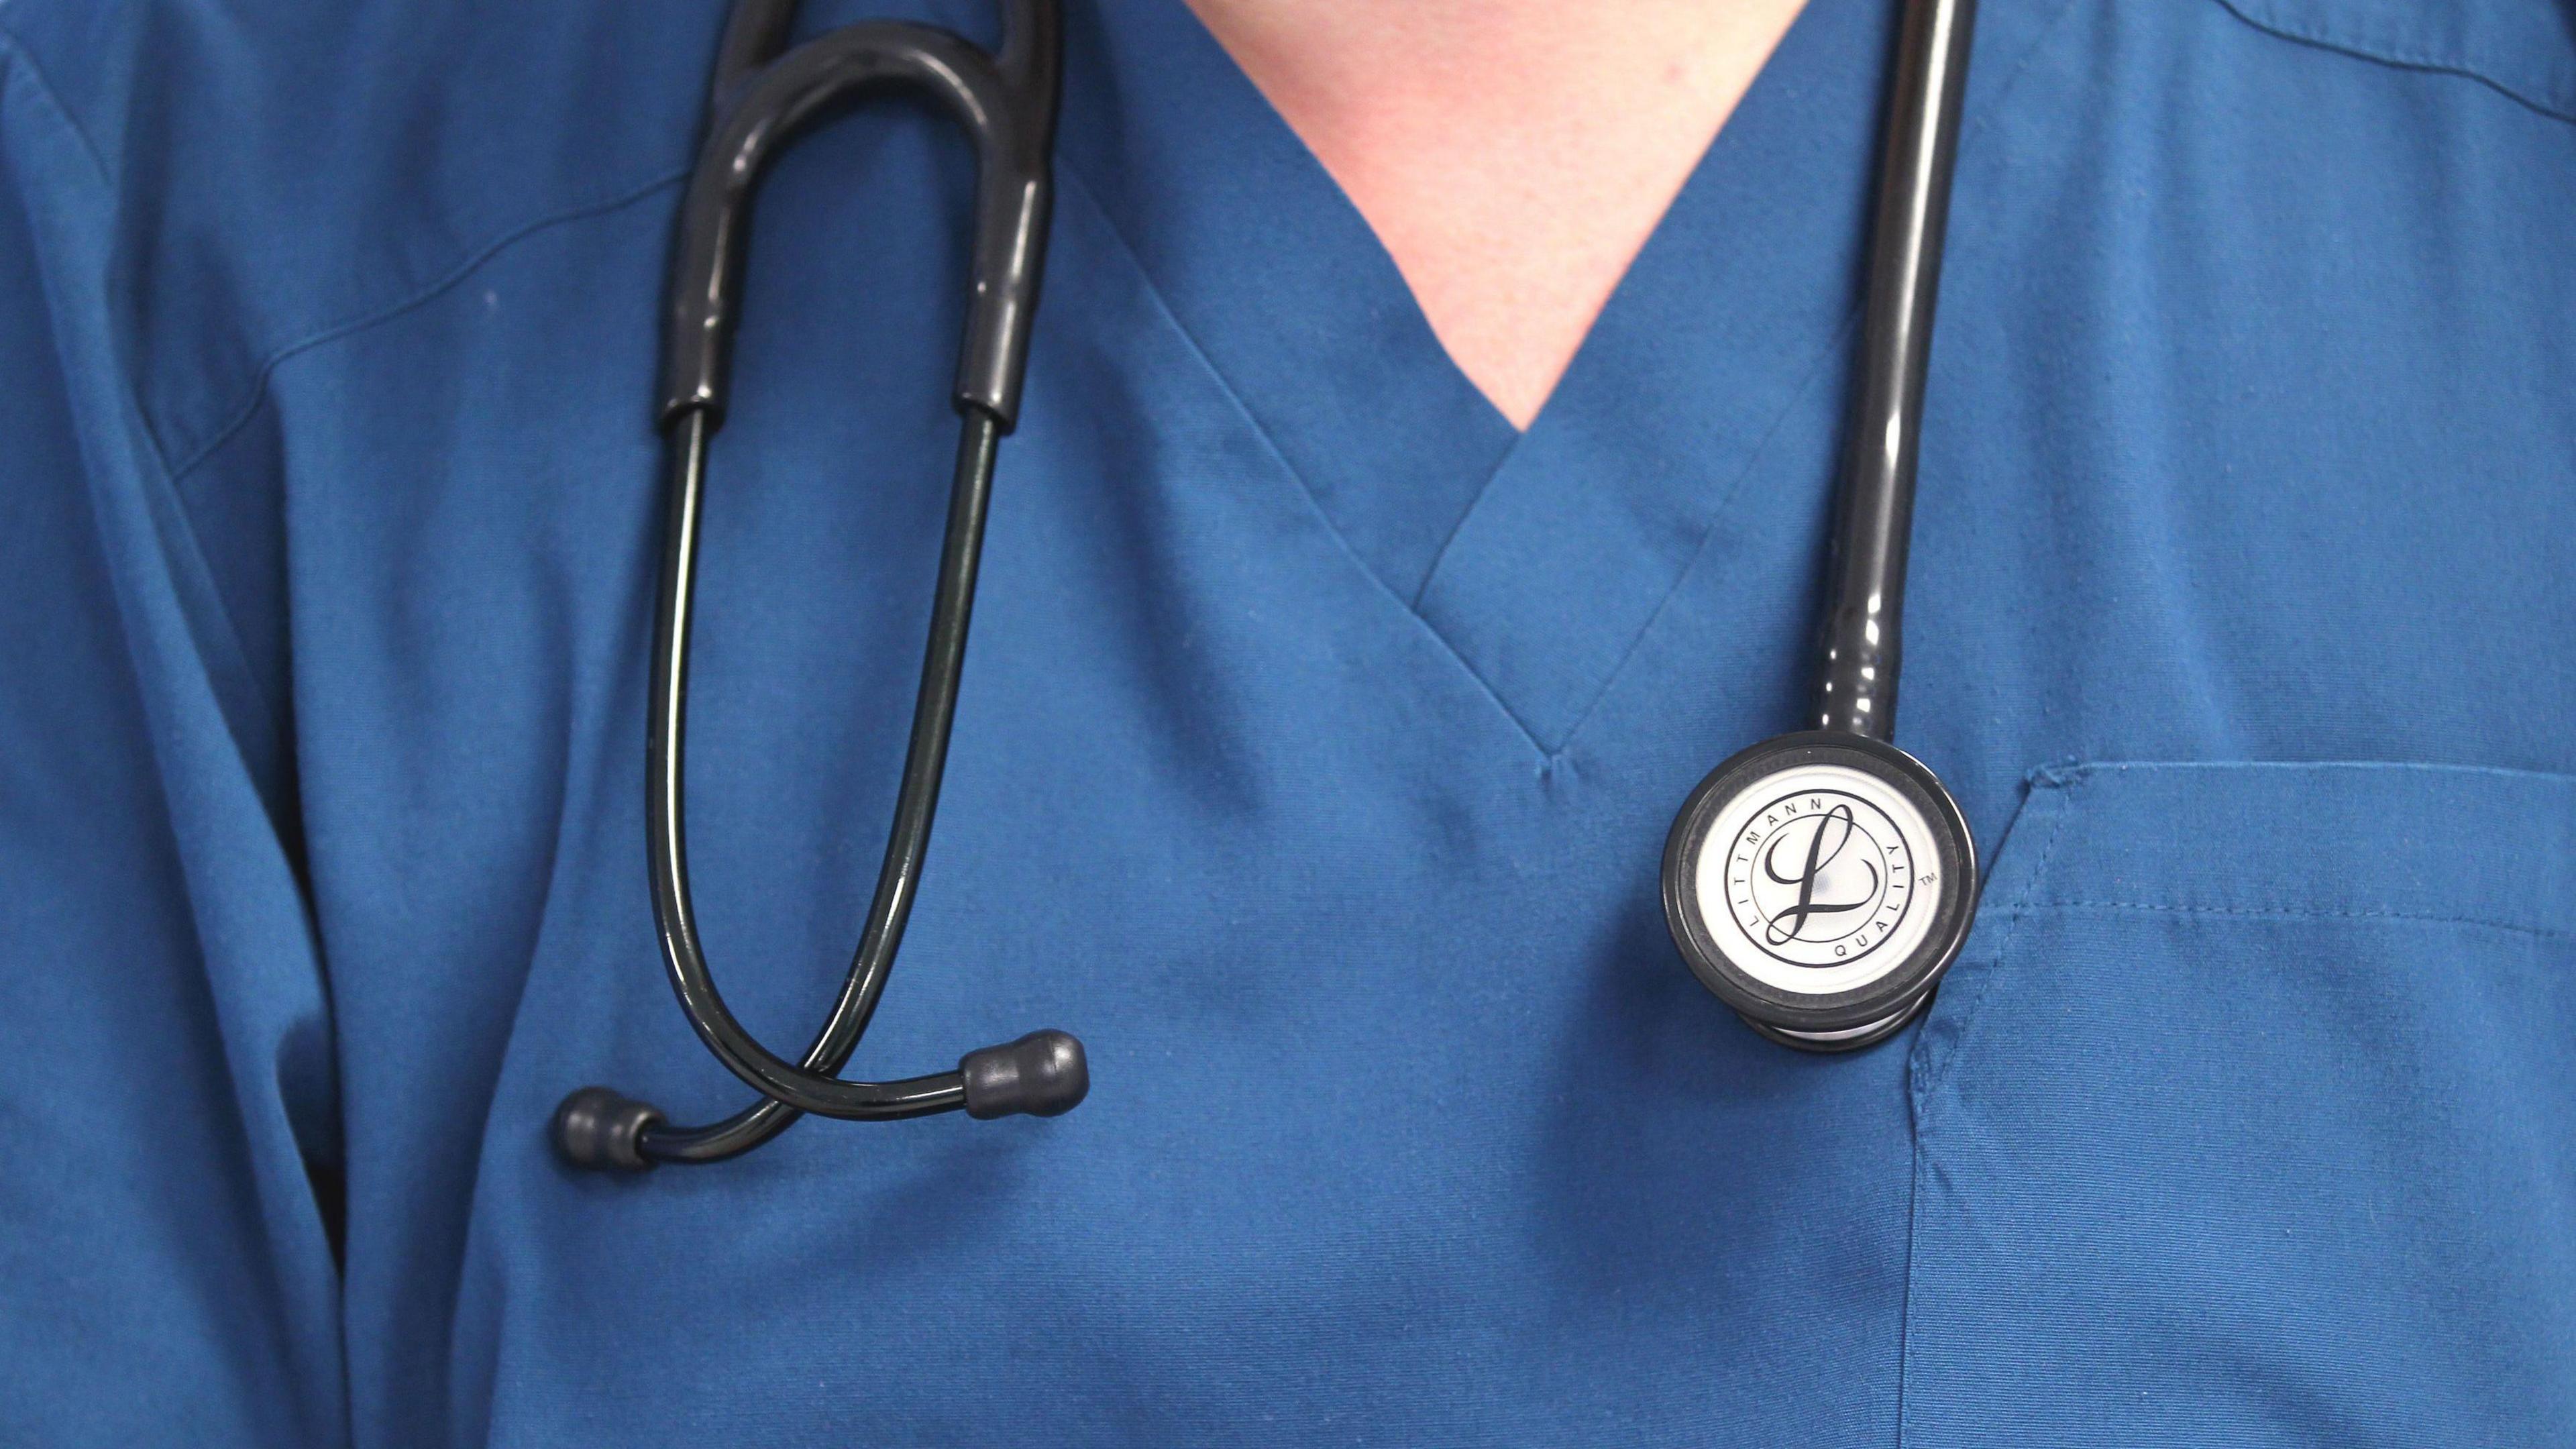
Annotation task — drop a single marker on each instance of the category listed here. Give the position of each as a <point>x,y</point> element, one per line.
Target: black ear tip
<point>1042,1074</point>
<point>601,1130</point>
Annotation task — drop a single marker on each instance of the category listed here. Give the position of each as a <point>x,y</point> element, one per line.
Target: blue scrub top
<point>1319,739</point>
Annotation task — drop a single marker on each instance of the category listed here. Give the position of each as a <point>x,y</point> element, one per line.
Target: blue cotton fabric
<point>1319,738</point>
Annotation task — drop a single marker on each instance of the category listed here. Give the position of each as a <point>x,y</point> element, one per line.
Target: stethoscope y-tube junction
<point>1821,882</point>
<point>762,100</point>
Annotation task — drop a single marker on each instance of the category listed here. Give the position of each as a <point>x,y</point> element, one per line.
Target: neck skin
<point>1511,155</point>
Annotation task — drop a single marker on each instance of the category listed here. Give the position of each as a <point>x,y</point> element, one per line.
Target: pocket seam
<point>2054,787</point>
<point>1931,1066</point>
<point>1936,1068</point>
<point>2293,913</point>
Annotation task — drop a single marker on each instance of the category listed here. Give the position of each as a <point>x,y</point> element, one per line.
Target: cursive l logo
<point>1832,834</point>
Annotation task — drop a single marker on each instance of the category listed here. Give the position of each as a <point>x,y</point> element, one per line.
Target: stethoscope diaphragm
<point>1819,883</point>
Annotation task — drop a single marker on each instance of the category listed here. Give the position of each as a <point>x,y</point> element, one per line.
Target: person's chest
<point>1318,742</point>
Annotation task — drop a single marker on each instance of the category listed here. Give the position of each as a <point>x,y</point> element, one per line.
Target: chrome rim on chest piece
<point>1819,884</point>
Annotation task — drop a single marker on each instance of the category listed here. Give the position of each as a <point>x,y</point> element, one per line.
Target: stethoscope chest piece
<point>1819,883</point>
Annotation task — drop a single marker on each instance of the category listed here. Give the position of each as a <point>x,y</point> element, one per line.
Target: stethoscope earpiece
<point>1043,1074</point>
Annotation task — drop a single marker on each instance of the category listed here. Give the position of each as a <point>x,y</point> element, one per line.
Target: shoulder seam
<point>2403,58</point>
<point>472,262</point>
<point>14,51</point>
<point>20,56</point>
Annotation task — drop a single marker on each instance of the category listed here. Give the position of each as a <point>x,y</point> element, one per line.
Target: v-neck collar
<point>1538,557</point>
<point>1279,281</point>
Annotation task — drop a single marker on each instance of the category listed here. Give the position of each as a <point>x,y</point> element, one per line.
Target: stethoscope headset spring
<point>1818,883</point>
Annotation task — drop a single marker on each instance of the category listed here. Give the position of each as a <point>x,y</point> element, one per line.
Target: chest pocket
<point>2249,1116</point>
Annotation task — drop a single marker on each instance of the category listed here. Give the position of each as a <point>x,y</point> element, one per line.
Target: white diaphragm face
<point>1818,879</point>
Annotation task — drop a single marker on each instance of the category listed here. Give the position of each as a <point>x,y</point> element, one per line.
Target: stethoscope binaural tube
<point>1821,882</point>
<point>762,100</point>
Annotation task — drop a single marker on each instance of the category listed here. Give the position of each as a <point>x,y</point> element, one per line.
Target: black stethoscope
<point>1819,883</point>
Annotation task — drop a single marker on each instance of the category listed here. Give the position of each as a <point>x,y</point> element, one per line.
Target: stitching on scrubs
<point>233,664</point>
<point>1520,439</point>
<point>1905,1300</point>
<point>472,263</point>
<point>2298,913</point>
<point>20,55</point>
<point>1074,184</point>
<point>1933,1073</point>
<point>2406,57</point>
<point>1839,347</point>
<point>2071,770</point>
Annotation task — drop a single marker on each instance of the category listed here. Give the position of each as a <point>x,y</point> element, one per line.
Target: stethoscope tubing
<point>1848,744</point>
<point>789,1089</point>
<point>762,97</point>
<point>1862,648</point>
